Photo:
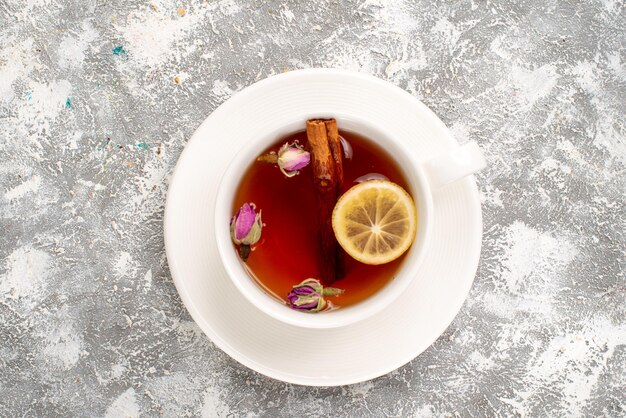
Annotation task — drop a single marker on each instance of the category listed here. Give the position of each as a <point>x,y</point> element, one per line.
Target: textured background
<point>97,99</point>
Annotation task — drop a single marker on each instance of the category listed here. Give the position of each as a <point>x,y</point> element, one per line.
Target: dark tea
<point>288,252</point>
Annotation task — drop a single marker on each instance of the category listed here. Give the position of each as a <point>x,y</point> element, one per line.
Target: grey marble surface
<point>97,100</point>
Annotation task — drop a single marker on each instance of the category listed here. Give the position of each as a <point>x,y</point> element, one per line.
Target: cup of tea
<point>288,253</point>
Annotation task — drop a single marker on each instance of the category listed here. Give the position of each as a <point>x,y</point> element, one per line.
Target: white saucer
<point>319,357</point>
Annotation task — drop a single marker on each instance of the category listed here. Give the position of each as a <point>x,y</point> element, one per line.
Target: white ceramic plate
<point>319,357</point>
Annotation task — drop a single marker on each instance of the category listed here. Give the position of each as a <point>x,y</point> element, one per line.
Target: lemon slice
<point>375,221</point>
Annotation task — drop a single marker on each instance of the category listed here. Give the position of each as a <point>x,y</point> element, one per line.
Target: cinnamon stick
<point>334,142</point>
<point>327,182</point>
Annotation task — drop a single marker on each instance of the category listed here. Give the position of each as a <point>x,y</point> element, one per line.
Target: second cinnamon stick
<point>334,143</point>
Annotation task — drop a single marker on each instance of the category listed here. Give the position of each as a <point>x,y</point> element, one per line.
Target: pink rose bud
<point>246,226</point>
<point>308,296</point>
<point>291,158</point>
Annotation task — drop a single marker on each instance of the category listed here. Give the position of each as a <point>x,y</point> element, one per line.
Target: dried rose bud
<point>246,226</point>
<point>291,158</point>
<point>309,295</point>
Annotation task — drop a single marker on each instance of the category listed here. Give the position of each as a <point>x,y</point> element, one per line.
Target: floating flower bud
<point>371,176</point>
<point>246,226</point>
<point>291,158</point>
<point>309,295</point>
<point>347,148</point>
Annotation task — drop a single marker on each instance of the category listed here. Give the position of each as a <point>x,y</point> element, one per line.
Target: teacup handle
<point>460,162</point>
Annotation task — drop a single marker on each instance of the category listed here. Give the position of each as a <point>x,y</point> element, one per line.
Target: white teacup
<point>422,177</point>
